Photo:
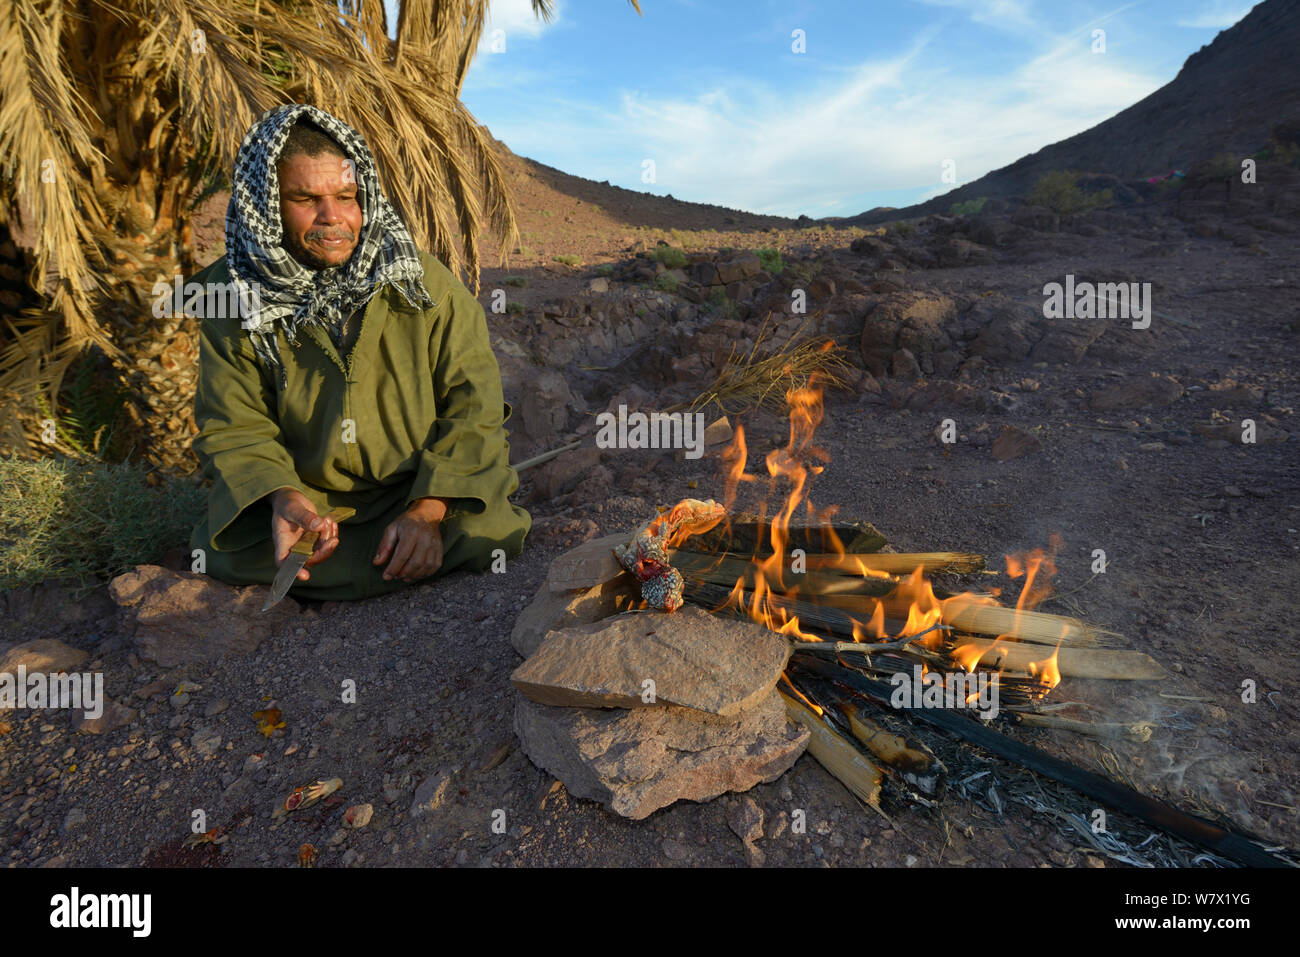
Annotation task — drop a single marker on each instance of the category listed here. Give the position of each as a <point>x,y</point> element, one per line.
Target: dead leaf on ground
<point>268,721</point>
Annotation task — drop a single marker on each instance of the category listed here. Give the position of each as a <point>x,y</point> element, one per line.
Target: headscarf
<point>286,293</point>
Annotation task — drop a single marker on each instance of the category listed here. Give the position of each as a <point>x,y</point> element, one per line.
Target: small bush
<point>903,229</point>
<point>1059,191</point>
<point>514,281</point>
<point>670,256</point>
<point>968,208</point>
<point>86,520</point>
<point>1220,167</point>
<point>569,260</point>
<point>514,308</point>
<point>666,282</point>
<point>771,260</point>
<point>605,269</point>
<point>803,272</point>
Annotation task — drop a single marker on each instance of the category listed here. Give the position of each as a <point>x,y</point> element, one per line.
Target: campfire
<point>873,649</point>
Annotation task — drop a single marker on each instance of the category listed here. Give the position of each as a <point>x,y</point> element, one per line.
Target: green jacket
<point>415,410</point>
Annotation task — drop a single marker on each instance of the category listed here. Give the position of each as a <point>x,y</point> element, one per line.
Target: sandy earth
<point>1201,536</point>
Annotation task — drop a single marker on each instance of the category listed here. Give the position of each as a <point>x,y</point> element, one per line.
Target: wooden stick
<point>1221,841</point>
<point>1140,732</point>
<point>899,563</point>
<point>727,569</point>
<point>913,761</point>
<point>1071,662</point>
<point>747,534</point>
<point>973,616</point>
<point>845,762</point>
<point>546,456</point>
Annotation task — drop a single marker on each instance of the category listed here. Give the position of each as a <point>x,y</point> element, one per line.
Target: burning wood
<point>847,763</point>
<point>911,759</point>
<point>857,619</point>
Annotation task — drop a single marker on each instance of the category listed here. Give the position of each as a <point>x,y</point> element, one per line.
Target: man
<point>358,373</point>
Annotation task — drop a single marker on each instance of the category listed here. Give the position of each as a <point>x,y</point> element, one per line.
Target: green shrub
<point>514,281</point>
<point>803,272</point>
<point>514,308</point>
<point>968,208</point>
<point>569,260</point>
<point>666,282</point>
<point>1219,167</point>
<point>903,229</point>
<point>82,520</point>
<point>605,269</point>
<point>771,260</point>
<point>1059,191</point>
<point>670,256</point>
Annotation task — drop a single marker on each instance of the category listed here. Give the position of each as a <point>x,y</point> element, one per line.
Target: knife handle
<point>307,543</point>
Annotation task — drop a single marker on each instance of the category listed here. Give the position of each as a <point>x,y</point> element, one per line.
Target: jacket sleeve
<point>240,445</point>
<point>468,459</point>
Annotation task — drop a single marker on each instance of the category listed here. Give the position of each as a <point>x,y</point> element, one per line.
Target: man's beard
<point>310,258</point>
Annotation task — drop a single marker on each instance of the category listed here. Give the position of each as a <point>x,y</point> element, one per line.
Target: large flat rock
<point>589,564</point>
<point>550,610</point>
<point>637,761</point>
<point>694,658</point>
<point>181,618</point>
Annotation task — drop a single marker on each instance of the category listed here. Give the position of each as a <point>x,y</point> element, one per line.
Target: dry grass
<point>761,377</point>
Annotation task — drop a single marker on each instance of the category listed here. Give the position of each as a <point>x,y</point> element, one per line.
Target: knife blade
<point>298,555</point>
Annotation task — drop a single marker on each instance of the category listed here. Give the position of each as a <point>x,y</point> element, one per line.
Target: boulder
<point>637,761</point>
<point>694,658</point>
<point>45,655</point>
<point>562,473</point>
<point>744,266</point>
<point>921,323</point>
<point>181,618</point>
<point>544,405</point>
<point>1154,391</point>
<point>1009,336</point>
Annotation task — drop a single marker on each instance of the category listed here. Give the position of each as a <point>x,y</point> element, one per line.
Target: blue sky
<point>884,93</point>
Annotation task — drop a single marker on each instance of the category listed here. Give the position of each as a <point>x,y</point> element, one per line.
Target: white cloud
<point>1007,14</point>
<point>1217,15</point>
<point>881,126</point>
<point>516,19</point>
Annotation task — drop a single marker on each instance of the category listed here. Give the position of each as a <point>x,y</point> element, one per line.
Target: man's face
<point>319,209</point>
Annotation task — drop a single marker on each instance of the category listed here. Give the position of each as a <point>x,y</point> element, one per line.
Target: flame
<point>800,695</point>
<point>764,603</point>
<point>766,591</point>
<point>1047,671</point>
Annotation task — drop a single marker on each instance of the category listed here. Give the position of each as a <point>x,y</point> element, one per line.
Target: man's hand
<point>413,541</point>
<point>292,513</point>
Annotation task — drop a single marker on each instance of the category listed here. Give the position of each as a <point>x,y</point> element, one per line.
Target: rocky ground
<point>1119,439</point>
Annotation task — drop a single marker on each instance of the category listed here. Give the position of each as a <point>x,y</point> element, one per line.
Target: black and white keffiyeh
<point>286,293</point>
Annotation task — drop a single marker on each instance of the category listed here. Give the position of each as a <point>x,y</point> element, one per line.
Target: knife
<point>298,555</point>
